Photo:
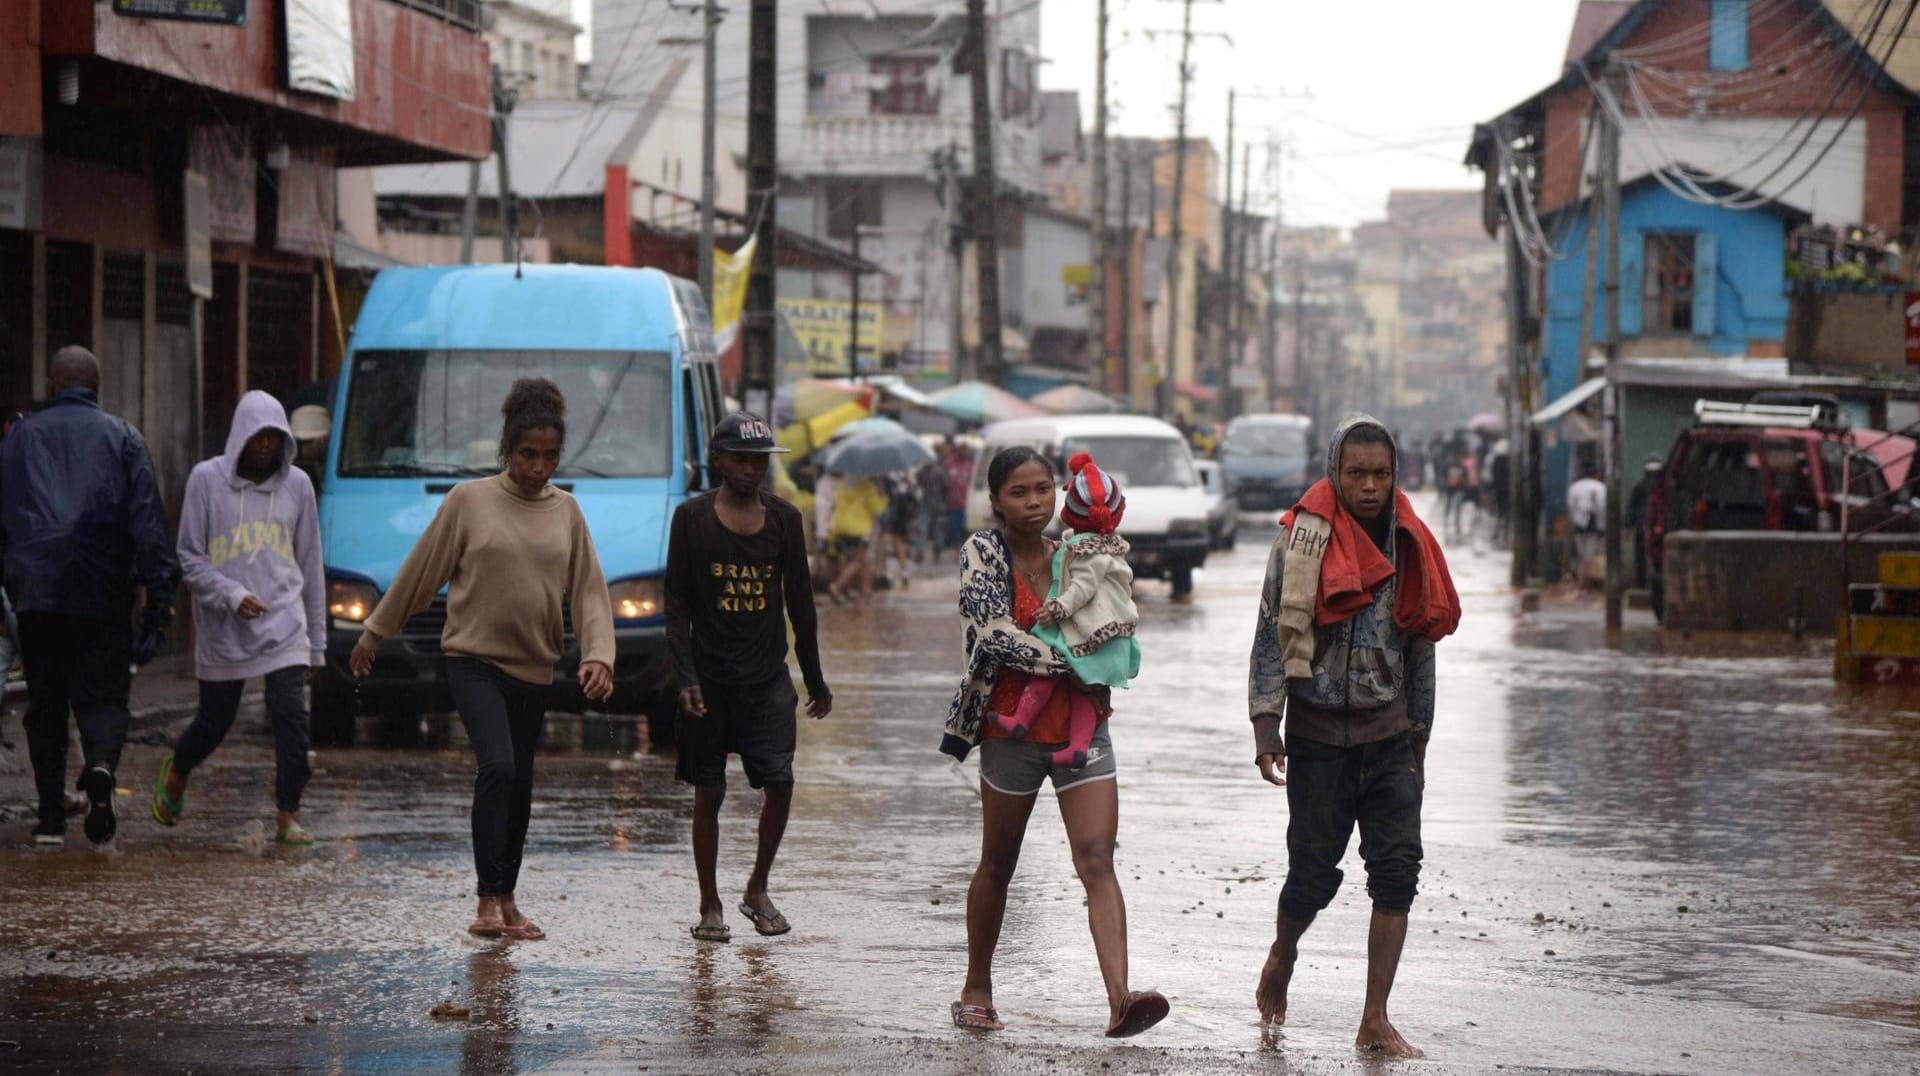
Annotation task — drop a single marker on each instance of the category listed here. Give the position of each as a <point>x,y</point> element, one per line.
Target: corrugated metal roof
<point>1591,21</point>
<point>1903,65</point>
<point>557,149</point>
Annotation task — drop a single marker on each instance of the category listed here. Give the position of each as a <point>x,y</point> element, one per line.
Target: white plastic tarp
<point>319,47</point>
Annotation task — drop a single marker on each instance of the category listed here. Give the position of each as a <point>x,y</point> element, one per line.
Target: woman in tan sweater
<point>510,549</point>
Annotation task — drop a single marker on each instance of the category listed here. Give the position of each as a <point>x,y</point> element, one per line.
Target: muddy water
<point>1579,797</point>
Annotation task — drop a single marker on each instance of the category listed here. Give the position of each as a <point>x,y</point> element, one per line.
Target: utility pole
<point>853,305</point>
<point>1523,525</point>
<point>709,180</point>
<point>1610,154</point>
<point>1097,298</point>
<point>1126,272</point>
<point>509,206</point>
<point>1164,390</point>
<point>1270,342</point>
<point>1227,229</point>
<point>1237,284</point>
<point>1303,381</point>
<point>959,360</point>
<point>470,213</point>
<point>757,320</point>
<point>983,209</point>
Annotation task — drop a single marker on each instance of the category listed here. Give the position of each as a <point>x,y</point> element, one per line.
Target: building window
<point>1016,84</point>
<point>852,204</point>
<point>1667,289</point>
<point>1727,47</point>
<point>903,86</point>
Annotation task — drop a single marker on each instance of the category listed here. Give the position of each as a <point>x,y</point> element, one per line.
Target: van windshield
<point>1138,461</point>
<point>437,412</point>
<point>1286,442</point>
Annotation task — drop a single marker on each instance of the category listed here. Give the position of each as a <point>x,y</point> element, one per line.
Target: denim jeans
<point>75,665</point>
<point>292,736</point>
<point>503,717</point>
<point>1378,786</point>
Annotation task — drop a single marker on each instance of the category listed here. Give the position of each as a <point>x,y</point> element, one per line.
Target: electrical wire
<point>1678,178</point>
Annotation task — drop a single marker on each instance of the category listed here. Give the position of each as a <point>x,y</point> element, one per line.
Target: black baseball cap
<point>744,432</point>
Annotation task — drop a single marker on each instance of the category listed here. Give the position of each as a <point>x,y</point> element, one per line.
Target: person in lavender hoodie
<point>250,551</point>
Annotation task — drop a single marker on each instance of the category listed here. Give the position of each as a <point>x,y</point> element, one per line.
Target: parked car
<point>1269,460</point>
<point>1166,521</point>
<point>1778,468</point>
<point>1223,512</point>
<point>433,353</point>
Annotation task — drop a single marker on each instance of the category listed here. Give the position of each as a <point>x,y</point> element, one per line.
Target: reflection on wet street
<point>1681,855</point>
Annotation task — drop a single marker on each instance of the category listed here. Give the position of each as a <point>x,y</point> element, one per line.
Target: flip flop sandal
<point>166,810</point>
<point>976,1017</point>
<point>525,930</point>
<point>487,928</point>
<point>295,836</point>
<point>721,933</point>
<point>767,926</point>
<point>1144,1009</point>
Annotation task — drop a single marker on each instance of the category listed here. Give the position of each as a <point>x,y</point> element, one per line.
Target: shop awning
<point>1559,408</point>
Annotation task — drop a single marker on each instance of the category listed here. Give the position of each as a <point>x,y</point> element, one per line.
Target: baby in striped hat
<point>1089,616</point>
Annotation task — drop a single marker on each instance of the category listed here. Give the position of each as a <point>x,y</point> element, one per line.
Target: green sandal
<point>166,810</point>
<point>295,836</point>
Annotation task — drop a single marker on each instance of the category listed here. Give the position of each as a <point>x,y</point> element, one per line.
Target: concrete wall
<point>1855,331</point>
<point>1762,580</point>
<point>1052,244</point>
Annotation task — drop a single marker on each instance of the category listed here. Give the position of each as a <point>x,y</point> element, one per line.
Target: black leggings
<point>504,717</point>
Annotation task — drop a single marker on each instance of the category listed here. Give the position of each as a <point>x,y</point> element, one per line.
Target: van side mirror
<point>696,476</point>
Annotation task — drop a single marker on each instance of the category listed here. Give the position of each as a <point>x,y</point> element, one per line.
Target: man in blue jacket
<point>80,524</point>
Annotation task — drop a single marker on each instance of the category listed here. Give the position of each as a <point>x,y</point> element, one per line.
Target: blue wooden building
<point>1697,281</point>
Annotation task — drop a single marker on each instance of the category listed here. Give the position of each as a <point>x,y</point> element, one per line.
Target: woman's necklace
<point>1037,580</point>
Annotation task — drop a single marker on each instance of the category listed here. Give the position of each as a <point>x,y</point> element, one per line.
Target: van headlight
<point>351,600</point>
<point>637,599</point>
<point>1188,528</point>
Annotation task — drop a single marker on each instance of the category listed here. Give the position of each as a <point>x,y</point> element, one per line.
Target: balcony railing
<point>462,13</point>
<point>903,145</point>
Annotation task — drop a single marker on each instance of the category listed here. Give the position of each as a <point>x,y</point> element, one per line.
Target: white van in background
<point>1166,521</point>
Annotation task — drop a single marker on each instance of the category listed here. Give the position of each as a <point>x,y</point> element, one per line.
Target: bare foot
<point>1377,1036</point>
<point>714,915</point>
<point>1271,994</point>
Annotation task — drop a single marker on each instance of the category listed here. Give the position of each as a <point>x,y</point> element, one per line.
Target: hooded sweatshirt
<point>241,538</point>
<point>1369,677</point>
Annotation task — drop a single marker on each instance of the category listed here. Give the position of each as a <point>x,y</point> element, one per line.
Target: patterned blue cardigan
<point>994,641</point>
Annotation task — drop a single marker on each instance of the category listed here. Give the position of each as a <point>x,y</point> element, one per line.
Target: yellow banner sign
<point>825,330</point>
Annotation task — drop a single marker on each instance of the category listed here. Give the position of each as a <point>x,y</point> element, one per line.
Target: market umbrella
<point>1077,400</point>
<point>876,424</point>
<point>1486,422</point>
<point>869,455</point>
<point>814,398</point>
<point>804,436</point>
<point>977,401</point>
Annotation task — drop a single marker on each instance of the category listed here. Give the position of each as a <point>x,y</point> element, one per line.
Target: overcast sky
<point>1396,85</point>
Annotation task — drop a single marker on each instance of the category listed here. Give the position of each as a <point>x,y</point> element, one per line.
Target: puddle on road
<point>1578,798</point>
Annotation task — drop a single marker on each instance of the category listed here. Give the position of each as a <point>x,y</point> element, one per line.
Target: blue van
<point>417,410</point>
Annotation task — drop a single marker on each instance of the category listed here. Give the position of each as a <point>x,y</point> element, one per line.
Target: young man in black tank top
<point>736,571</point>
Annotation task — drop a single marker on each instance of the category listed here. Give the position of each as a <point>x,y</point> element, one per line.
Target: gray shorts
<point>1017,768</point>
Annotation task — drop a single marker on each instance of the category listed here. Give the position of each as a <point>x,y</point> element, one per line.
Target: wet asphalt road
<point>1680,855</point>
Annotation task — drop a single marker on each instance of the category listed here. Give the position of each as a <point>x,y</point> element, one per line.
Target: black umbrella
<point>867,455</point>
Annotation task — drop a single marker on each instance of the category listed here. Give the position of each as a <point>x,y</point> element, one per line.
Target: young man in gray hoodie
<point>1349,667</point>
<point>250,550</point>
